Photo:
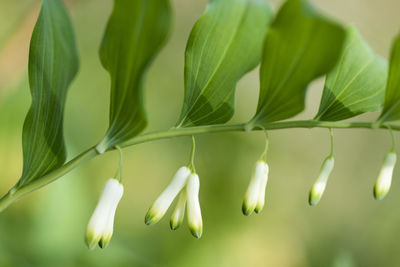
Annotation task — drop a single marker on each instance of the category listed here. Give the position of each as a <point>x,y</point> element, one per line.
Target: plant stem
<point>192,154</point>
<point>15,194</point>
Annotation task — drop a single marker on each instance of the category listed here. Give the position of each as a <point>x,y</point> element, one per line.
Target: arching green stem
<point>14,194</point>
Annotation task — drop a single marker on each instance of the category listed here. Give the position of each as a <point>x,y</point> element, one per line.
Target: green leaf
<point>53,63</point>
<point>135,33</point>
<point>357,84</point>
<point>225,43</point>
<point>391,107</point>
<point>300,46</point>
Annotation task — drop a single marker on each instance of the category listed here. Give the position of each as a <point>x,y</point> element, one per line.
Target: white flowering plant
<point>293,46</point>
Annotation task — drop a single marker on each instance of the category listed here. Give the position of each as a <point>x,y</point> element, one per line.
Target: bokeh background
<point>347,229</point>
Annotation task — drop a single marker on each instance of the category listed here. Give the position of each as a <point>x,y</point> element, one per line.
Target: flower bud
<point>255,194</point>
<point>261,194</point>
<point>318,188</point>
<point>100,226</point>
<point>384,180</point>
<point>193,206</point>
<point>179,212</point>
<point>161,205</point>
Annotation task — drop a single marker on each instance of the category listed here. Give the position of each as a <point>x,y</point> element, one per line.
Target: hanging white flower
<point>179,212</point>
<point>255,195</point>
<point>162,203</point>
<point>263,187</point>
<point>195,221</point>
<point>384,180</point>
<point>318,188</point>
<point>100,226</point>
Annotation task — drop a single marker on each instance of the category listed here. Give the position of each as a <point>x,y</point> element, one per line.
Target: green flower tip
<point>91,245</point>
<point>380,193</point>
<point>316,192</point>
<point>258,208</point>
<point>314,198</point>
<point>196,231</point>
<point>246,209</point>
<point>174,224</point>
<point>104,241</point>
<point>151,218</point>
<point>313,201</point>
<point>91,240</point>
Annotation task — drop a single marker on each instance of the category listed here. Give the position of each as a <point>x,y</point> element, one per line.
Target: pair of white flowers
<point>101,224</point>
<point>254,197</point>
<point>187,184</point>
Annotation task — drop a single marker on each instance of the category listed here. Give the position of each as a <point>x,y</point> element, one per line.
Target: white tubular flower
<point>318,187</point>
<point>255,193</point>
<point>100,227</point>
<point>162,203</point>
<point>261,193</point>
<point>384,180</point>
<point>193,205</point>
<point>179,212</point>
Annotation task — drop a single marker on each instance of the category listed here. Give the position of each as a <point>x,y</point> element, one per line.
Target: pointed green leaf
<point>225,44</point>
<point>53,63</point>
<point>135,33</point>
<point>357,84</point>
<point>300,46</point>
<point>391,107</point>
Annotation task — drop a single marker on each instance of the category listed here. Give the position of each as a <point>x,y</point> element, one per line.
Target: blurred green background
<point>347,229</point>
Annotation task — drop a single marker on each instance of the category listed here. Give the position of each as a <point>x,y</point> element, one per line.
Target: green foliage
<point>225,44</point>
<point>53,63</point>
<point>228,40</point>
<point>136,31</point>
<point>300,46</point>
<point>357,84</point>
<point>391,107</point>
